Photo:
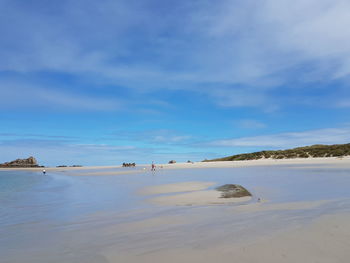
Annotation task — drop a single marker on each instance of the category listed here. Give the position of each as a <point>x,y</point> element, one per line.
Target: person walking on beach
<point>153,167</point>
<point>44,172</point>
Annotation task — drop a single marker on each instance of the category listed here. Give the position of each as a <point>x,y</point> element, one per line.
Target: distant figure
<point>44,172</point>
<point>153,167</point>
<point>129,164</point>
<point>259,200</point>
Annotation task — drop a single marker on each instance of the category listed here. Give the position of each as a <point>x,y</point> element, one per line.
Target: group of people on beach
<point>153,167</point>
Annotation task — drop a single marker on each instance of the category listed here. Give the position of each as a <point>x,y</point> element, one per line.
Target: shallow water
<point>61,218</point>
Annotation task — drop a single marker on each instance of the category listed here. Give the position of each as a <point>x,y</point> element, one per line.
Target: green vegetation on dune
<point>337,150</point>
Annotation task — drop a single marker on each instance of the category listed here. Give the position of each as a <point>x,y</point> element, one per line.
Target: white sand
<point>327,240</point>
<point>264,205</point>
<point>208,197</point>
<point>100,173</point>
<point>176,188</point>
<point>164,237</point>
<point>345,162</point>
<point>339,162</point>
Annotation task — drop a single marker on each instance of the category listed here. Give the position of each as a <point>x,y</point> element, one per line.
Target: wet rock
<point>233,190</point>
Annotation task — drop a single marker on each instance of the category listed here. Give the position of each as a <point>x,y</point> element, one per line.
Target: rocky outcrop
<point>19,163</point>
<point>233,190</point>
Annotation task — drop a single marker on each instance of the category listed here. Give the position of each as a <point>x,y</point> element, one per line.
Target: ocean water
<point>64,218</point>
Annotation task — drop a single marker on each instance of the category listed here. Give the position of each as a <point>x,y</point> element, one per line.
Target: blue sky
<point>103,82</point>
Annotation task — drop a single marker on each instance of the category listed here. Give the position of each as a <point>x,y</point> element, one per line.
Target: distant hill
<point>319,150</point>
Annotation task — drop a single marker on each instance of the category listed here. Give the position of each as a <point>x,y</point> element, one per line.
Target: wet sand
<point>325,240</point>
<point>190,193</point>
<point>176,188</point>
<point>173,215</point>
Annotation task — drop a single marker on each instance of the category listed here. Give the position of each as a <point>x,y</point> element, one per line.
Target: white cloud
<point>290,139</point>
<point>245,50</point>
<point>161,136</point>
<point>19,95</point>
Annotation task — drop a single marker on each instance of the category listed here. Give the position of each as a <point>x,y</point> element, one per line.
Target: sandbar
<point>176,187</point>
<point>341,162</point>
<point>189,193</point>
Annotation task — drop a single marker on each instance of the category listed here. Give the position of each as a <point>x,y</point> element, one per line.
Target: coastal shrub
<point>338,152</point>
<point>303,155</point>
<point>301,152</point>
<point>267,155</point>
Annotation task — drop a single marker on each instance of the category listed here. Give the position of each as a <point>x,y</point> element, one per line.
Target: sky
<point>110,81</point>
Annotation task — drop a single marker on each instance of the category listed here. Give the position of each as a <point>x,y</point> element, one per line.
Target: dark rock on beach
<point>21,163</point>
<point>233,190</point>
<point>128,164</point>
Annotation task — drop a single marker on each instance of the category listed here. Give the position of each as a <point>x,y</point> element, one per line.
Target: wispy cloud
<point>160,136</point>
<point>290,139</point>
<point>20,95</point>
<point>235,61</point>
<point>36,135</point>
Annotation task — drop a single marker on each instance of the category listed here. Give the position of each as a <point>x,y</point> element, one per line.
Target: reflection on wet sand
<point>303,215</point>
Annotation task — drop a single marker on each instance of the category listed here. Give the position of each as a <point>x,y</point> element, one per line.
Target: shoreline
<point>293,215</point>
<point>219,164</point>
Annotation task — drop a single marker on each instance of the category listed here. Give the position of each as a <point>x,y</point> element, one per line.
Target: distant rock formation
<point>21,163</point>
<point>172,161</point>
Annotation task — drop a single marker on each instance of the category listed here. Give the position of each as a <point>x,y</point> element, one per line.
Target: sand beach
<point>299,211</point>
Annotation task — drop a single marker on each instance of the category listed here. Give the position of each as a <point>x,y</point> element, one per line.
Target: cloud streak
<point>155,137</point>
<point>290,139</point>
<point>235,61</point>
<point>17,95</point>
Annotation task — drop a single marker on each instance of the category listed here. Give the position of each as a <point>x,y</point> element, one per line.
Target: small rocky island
<point>21,163</point>
<point>233,190</point>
